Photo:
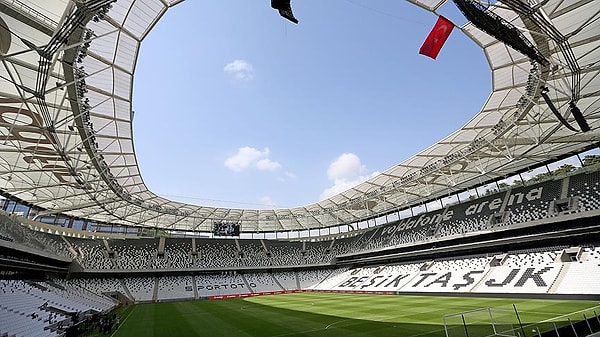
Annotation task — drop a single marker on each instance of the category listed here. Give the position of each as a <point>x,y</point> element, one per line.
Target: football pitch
<point>349,315</point>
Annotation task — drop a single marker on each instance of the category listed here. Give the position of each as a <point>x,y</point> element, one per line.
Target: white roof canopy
<point>66,112</point>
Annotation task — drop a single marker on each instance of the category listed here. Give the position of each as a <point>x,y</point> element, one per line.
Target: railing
<point>32,13</point>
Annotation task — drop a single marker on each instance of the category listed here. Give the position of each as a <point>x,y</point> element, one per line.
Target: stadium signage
<point>225,286</point>
<point>444,279</point>
<point>447,280</point>
<point>423,220</point>
<point>375,281</point>
<point>528,274</point>
<point>39,145</point>
<point>514,199</point>
<point>495,204</point>
<point>26,127</point>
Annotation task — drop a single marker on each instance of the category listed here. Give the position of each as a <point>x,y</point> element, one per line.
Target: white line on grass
<point>362,320</point>
<point>330,325</point>
<point>121,323</point>
<point>565,315</point>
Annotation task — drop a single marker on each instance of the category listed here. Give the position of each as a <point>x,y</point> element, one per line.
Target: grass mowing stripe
<point>324,315</point>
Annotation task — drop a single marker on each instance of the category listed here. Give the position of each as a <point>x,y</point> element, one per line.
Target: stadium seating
<point>13,231</point>
<point>134,254</point>
<point>495,210</point>
<point>91,254</point>
<point>286,280</point>
<point>527,272</point>
<point>253,254</point>
<point>581,276</point>
<point>80,297</point>
<point>43,308</point>
<point>262,282</point>
<point>178,253</point>
<point>308,279</point>
<point>222,284</point>
<point>524,204</point>
<point>141,289</point>
<point>168,269</point>
<point>103,287</point>
<point>175,288</point>
<point>286,253</point>
<point>219,253</point>
<point>585,186</point>
<point>317,252</point>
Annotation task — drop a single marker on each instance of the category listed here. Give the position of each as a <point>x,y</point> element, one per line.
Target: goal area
<point>487,321</point>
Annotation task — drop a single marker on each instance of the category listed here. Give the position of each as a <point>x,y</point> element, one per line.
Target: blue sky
<point>237,107</point>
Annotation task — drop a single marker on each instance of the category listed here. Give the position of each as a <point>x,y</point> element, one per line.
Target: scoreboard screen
<point>226,229</point>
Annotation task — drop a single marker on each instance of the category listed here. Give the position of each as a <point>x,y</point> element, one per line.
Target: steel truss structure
<point>66,110</point>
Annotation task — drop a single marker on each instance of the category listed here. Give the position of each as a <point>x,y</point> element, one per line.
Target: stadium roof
<point>66,112</point>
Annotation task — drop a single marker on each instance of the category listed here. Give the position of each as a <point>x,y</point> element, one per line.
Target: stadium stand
<point>253,253</point>
<point>227,283</point>
<point>308,279</point>
<point>91,254</point>
<point>286,253</point>
<point>585,186</point>
<point>528,203</point>
<point>318,252</point>
<point>134,254</point>
<point>518,206</point>
<point>287,280</point>
<point>81,234</point>
<point>107,288</point>
<point>527,240</point>
<point>175,288</point>
<point>262,282</point>
<point>81,297</point>
<point>219,253</point>
<point>45,308</point>
<point>530,272</point>
<point>580,275</point>
<point>141,289</point>
<point>13,231</point>
<point>178,253</point>
<point>527,272</point>
<point>472,216</point>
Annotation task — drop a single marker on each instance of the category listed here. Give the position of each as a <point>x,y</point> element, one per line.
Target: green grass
<point>345,315</point>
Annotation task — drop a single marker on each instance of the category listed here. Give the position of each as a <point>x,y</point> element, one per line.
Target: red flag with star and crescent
<point>437,37</point>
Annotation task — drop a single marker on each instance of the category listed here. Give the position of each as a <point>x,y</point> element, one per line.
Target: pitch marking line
<point>330,325</point>
<point>121,323</point>
<point>565,315</point>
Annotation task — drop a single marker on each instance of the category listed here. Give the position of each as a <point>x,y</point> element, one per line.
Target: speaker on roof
<point>501,29</point>
<point>583,125</point>
<point>285,9</point>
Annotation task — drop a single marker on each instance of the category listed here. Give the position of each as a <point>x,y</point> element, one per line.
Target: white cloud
<point>267,164</point>
<point>245,157</point>
<point>346,171</point>
<point>267,201</point>
<point>240,70</point>
<point>345,167</point>
<point>251,157</point>
<point>287,175</point>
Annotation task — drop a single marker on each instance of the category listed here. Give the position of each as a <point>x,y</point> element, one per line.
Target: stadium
<point>491,231</point>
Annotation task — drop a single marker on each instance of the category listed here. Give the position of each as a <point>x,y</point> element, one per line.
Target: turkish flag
<point>436,38</point>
